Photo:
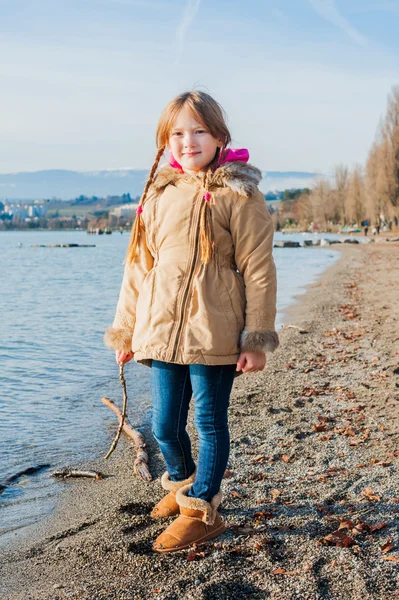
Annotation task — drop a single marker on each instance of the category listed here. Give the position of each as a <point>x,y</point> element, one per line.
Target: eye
<point>201,131</point>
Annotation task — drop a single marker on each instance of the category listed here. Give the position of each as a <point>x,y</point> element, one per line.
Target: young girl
<point>197,303</point>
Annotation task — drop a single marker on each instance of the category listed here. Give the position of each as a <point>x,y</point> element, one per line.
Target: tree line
<point>364,195</point>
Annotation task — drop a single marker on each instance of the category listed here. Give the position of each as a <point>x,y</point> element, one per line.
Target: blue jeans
<point>172,386</point>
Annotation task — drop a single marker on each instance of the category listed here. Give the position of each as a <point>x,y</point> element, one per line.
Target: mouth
<point>190,153</point>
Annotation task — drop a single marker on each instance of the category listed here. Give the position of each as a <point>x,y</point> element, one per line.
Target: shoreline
<point>18,505</point>
<point>16,538</point>
<point>96,542</point>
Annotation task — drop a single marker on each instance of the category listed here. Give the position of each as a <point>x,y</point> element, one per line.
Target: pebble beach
<point>311,495</point>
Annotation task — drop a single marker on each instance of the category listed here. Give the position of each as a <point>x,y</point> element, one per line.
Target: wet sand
<point>314,447</point>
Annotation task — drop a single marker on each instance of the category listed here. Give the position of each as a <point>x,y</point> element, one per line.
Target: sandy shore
<point>314,447</point>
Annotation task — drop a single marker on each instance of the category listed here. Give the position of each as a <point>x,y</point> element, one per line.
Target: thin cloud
<point>389,6</point>
<point>182,28</point>
<point>276,12</point>
<point>328,10</point>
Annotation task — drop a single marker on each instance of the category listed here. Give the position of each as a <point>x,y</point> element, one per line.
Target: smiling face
<point>192,145</point>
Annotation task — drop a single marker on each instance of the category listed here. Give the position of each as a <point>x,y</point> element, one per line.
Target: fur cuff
<point>208,508</point>
<point>118,339</point>
<point>254,341</point>
<point>173,486</point>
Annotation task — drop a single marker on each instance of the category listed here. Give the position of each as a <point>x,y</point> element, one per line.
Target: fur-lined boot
<point>168,507</point>
<point>198,522</point>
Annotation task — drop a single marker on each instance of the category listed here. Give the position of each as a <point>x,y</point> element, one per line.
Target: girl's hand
<point>251,362</point>
<point>123,357</point>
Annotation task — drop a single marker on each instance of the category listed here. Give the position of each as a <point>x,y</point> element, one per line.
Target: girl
<point>197,303</point>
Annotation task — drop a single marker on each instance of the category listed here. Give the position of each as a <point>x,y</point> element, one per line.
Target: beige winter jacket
<point>171,307</point>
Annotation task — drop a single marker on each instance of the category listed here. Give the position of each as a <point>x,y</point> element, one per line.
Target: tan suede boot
<point>168,507</point>
<point>197,523</point>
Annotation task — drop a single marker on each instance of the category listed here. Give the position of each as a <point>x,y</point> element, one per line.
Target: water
<point>54,368</point>
<point>299,267</point>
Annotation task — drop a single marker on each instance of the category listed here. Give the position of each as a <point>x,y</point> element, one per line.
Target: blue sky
<point>304,83</point>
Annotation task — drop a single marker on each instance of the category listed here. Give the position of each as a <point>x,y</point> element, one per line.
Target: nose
<point>189,140</point>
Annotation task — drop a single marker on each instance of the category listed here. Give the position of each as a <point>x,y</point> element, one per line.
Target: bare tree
<point>382,169</point>
<point>356,197</point>
<point>341,181</point>
<point>320,201</point>
<point>391,137</point>
<point>303,210</point>
<point>373,197</point>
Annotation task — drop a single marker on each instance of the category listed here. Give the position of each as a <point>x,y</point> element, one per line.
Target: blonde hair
<point>211,115</point>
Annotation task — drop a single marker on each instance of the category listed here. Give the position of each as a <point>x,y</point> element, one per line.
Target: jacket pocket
<point>235,288</point>
<point>240,302</point>
<point>146,297</point>
<point>227,304</point>
<point>241,287</point>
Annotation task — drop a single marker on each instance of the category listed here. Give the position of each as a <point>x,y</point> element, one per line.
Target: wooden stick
<point>141,463</point>
<point>66,473</point>
<point>123,415</point>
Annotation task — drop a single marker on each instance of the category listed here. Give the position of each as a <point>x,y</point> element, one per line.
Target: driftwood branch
<point>123,414</point>
<point>66,473</point>
<point>141,463</point>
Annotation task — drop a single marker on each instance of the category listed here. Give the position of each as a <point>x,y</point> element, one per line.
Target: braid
<point>206,230</point>
<point>138,224</point>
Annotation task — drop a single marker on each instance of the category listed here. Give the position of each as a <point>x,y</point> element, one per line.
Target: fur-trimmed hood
<point>240,177</point>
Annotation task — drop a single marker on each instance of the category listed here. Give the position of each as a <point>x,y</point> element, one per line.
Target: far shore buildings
<point>22,211</point>
<point>125,210</point>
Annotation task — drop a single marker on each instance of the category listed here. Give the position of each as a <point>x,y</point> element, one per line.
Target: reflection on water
<point>54,367</point>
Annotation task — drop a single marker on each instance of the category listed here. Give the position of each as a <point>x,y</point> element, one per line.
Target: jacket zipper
<point>188,285</point>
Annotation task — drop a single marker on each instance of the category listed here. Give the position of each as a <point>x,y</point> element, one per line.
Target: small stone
<point>288,244</point>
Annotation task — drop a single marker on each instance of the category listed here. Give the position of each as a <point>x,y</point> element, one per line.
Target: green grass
<point>69,211</point>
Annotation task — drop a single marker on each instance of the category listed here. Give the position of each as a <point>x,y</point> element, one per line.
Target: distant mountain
<point>65,185</point>
<point>286,180</point>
